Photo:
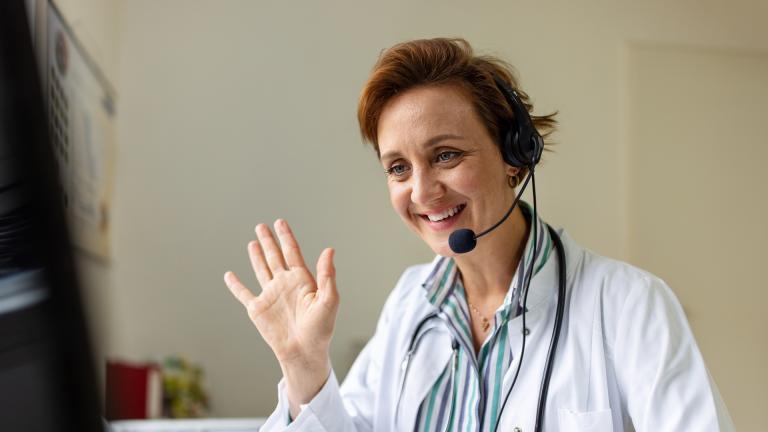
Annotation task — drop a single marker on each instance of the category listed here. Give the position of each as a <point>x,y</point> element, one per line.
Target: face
<point>444,171</point>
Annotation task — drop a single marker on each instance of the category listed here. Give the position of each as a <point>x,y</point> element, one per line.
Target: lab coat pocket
<point>585,421</point>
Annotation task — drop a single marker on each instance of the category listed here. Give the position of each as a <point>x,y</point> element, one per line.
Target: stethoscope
<point>418,335</point>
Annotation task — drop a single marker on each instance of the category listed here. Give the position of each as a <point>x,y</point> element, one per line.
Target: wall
<point>239,112</point>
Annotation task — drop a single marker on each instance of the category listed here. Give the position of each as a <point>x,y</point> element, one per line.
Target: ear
<point>512,171</point>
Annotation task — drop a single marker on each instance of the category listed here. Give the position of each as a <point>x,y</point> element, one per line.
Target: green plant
<point>183,393</point>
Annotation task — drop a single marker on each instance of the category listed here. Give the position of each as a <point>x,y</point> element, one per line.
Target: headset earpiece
<point>521,143</point>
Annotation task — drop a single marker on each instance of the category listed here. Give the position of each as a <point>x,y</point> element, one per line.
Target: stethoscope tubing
<point>555,331</point>
<point>406,363</point>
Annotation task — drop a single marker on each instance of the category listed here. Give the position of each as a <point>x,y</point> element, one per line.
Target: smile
<point>444,219</point>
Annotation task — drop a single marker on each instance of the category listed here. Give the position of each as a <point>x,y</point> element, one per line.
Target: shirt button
<point>526,331</point>
<point>517,429</point>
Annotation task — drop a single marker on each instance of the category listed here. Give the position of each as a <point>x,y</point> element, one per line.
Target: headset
<point>521,146</point>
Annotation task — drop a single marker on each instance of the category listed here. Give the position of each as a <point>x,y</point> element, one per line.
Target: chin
<point>441,247</point>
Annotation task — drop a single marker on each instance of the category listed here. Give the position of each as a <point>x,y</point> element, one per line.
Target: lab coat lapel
<point>542,296</point>
<point>428,360</point>
<point>427,363</point>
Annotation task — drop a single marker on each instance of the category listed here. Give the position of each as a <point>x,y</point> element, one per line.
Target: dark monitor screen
<point>47,379</point>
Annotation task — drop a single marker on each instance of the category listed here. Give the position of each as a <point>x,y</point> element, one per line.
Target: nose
<point>426,187</point>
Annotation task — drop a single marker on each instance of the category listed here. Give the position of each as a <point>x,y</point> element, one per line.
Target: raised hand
<point>295,313</point>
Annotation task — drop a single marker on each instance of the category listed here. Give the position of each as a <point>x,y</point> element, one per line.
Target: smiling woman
<point>454,136</point>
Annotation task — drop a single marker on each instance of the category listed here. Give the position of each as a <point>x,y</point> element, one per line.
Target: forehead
<point>411,119</point>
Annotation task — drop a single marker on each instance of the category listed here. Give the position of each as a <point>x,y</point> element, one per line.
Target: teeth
<point>446,214</point>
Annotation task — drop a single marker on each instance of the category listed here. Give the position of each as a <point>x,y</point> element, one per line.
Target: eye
<point>447,156</point>
<point>396,170</point>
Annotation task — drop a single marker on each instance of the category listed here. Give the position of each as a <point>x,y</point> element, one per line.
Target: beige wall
<point>238,112</point>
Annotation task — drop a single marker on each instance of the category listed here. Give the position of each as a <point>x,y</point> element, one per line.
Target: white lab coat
<point>626,360</point>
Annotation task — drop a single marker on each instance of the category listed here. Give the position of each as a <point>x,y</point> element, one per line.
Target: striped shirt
<point>468,394</point>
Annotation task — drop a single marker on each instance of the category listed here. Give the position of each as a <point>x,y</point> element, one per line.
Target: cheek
<point>466,182</point>
<point>400,198</point>
<point>480,185</point>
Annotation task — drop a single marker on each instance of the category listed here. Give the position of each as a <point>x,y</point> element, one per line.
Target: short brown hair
<point>443,61</point>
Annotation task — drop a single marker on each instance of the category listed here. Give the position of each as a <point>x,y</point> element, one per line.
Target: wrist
<point>315,363</point>
<point>305,379</point>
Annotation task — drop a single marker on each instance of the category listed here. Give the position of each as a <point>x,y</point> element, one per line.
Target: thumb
<point>326,277</point>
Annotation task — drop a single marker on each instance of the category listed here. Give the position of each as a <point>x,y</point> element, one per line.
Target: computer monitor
<point>47,378</point>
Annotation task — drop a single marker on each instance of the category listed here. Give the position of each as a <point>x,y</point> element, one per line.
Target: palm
<point>295,313</point>
<point>288,313</point>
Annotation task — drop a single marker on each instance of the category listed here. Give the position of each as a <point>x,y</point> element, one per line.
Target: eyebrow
<point>435,140</point>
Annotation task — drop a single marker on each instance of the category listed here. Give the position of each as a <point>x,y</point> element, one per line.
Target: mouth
<point>445,219</point>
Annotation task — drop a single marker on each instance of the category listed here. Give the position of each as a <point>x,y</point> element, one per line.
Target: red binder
<point>134,390</point>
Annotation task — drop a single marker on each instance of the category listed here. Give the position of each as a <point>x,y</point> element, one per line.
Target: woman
<point>463,343</point>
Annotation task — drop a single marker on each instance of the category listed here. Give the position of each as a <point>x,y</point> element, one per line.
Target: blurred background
<point>234,112</point>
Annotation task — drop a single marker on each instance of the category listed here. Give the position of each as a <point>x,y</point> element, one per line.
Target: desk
<point>197,425</point>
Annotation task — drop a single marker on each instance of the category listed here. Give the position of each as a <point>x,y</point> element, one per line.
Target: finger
<point>271,250</point>
<point>240,291</point>
<point>326,277</point>
<point>259,263</point>
<point>290,246</point>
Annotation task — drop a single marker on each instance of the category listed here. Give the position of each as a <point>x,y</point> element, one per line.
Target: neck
<point>488,270</point>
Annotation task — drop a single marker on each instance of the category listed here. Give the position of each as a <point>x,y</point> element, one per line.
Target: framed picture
<point>81,105</point>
